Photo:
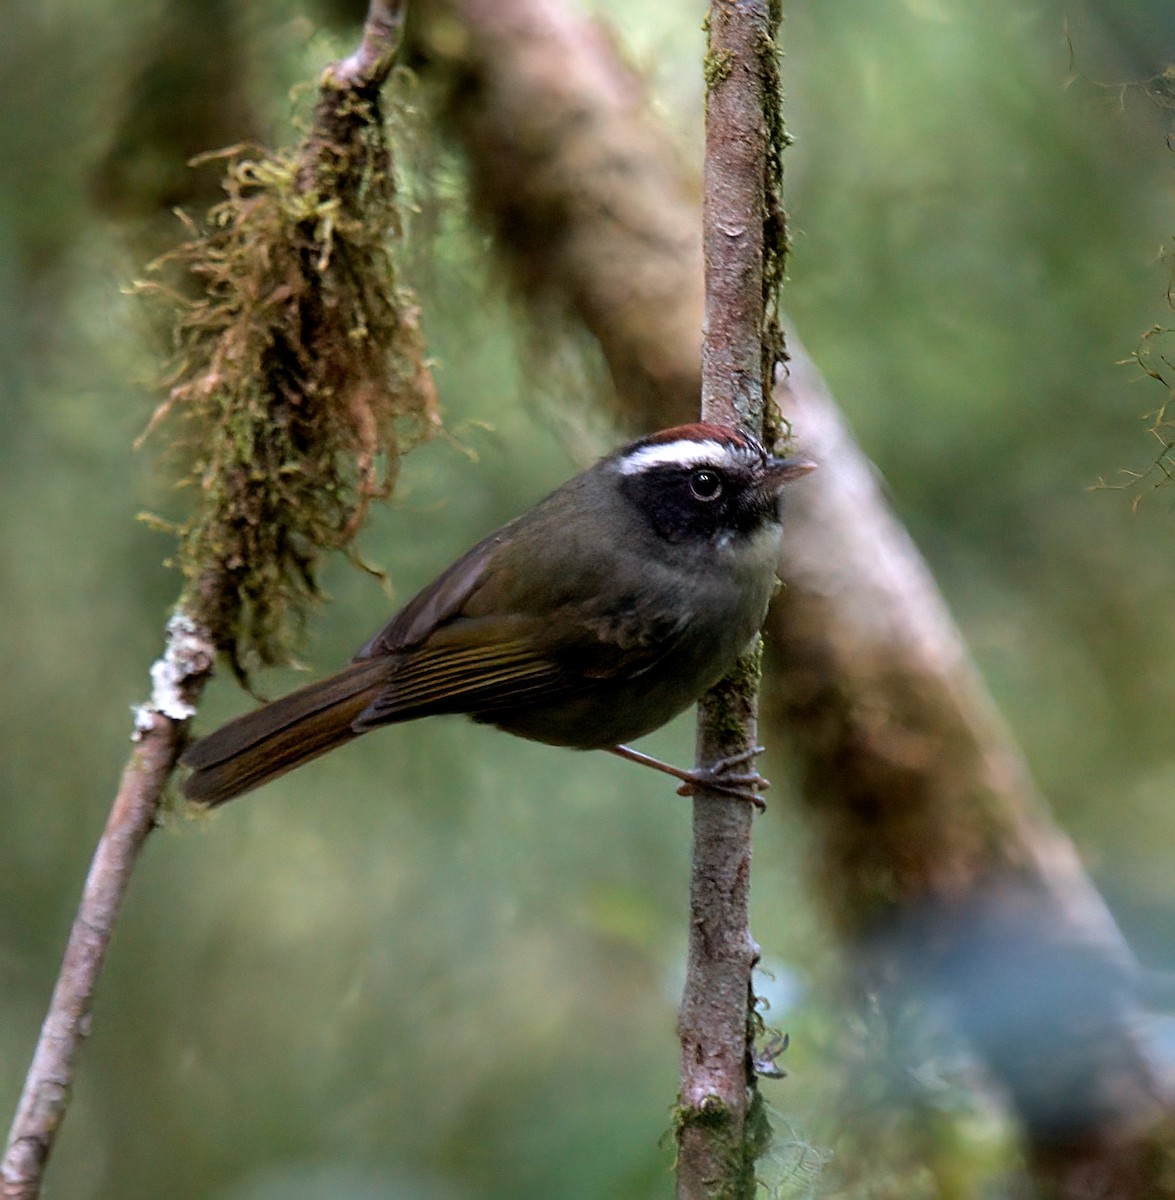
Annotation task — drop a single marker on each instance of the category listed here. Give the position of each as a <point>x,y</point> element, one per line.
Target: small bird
<point>587,622</point>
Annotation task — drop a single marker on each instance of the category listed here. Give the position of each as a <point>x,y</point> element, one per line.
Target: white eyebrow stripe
<point>683,453</point>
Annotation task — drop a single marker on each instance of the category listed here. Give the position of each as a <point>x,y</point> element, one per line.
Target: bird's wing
<point>469,666</point>
<point>523,618</point>
<point>437,603</point>
<point>491,663</point>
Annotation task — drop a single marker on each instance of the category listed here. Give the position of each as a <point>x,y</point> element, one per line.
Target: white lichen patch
<point>189,656</point>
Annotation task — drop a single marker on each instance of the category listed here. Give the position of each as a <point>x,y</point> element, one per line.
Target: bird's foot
<point>719,777</point>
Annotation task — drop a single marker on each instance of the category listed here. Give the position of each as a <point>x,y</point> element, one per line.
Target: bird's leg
<point>743,785</point>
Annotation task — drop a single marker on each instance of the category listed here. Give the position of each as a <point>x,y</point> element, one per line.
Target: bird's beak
<point>784,470</point>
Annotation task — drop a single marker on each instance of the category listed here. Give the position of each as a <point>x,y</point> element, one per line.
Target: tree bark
<point>716,1151</point>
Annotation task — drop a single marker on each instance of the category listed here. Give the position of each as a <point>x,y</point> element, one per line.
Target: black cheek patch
<point>752,510</point>
<point>663,495</point>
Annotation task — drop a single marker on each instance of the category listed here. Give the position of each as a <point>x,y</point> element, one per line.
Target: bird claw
<point>744,785</point>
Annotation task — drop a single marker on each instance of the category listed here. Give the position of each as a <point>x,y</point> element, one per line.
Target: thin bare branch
<point>371,62</point>
<point>178,678</point>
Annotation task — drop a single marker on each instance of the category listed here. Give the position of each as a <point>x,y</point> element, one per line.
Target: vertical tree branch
<point>178,678</point>
<point>717,1143</point>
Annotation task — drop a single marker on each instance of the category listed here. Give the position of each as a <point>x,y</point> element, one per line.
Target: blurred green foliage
<point>444,963</point>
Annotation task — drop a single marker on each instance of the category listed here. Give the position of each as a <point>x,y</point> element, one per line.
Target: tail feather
<point>277,737</point>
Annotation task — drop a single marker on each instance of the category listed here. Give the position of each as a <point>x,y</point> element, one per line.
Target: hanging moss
<point>300,376</point>
<point>1154,355</point>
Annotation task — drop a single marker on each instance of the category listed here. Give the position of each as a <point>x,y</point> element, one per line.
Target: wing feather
<point>439,602</point>
<point>446,678</point>
<point>521,618</point>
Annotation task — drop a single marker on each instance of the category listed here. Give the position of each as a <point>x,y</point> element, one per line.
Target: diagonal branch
<point>160,726</point>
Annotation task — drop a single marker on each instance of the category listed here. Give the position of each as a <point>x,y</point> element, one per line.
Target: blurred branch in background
<point>942,870</point>
<point>585,198</point>
<point>187,94</point>
<point>941,867</point>
<point>291,356</point>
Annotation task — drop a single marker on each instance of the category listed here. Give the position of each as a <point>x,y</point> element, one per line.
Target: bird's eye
<point>705,484</point>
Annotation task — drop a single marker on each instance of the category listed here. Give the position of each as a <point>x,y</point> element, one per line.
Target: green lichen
<point>712,1113</point>
<point>726,705</point>
<point>743,1143</point>
<point>299,377</point>
<point>1154,355</point>
<point>716,66</point>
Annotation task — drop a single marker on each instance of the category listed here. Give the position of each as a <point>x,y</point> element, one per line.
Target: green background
<point>445,963</point>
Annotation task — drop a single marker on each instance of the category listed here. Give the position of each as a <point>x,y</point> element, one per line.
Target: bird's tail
<point>276,738</point>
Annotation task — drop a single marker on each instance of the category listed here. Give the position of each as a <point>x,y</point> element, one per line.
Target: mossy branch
<point>720,1126</point>
<point>296,366</point>
<point>300,375</point>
